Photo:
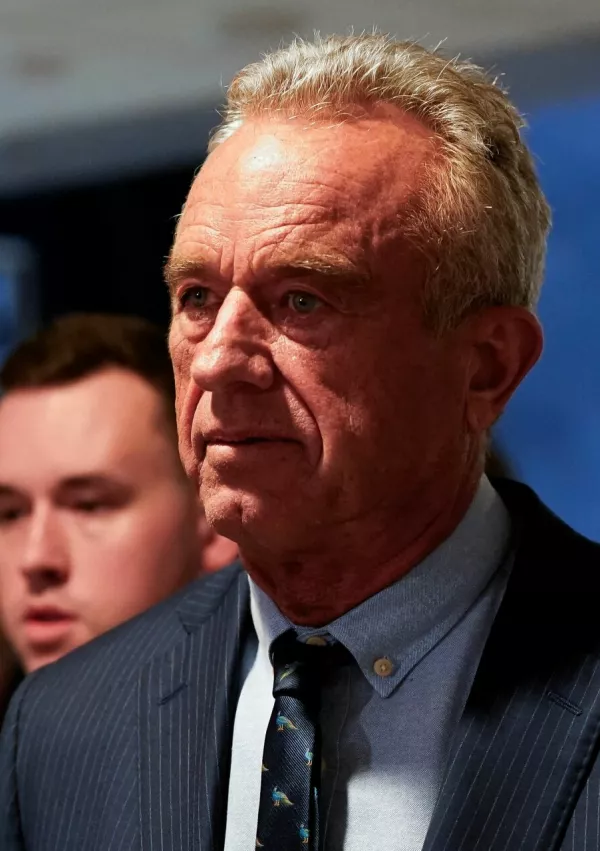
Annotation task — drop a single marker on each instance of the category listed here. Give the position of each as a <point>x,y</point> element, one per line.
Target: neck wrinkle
<point>315,590</point>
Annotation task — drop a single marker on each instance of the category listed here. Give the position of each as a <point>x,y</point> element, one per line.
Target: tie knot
<point>298,667</point>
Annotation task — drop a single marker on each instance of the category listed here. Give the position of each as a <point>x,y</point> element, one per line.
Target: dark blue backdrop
<point>552,428</point>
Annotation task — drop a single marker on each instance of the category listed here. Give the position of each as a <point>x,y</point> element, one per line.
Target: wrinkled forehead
<point>355,167</point>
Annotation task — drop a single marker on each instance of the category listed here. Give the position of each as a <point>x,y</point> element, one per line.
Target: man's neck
<point>316,589</point>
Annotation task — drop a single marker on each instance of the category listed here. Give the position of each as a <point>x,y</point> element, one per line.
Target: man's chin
<point>250,519</point>
<point>230,511</point>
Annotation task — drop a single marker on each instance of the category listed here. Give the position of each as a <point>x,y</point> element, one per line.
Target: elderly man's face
<point>309,391</point>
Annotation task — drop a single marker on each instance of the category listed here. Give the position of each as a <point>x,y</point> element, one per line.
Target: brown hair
<point>481,219</point>
<point>77,346</point>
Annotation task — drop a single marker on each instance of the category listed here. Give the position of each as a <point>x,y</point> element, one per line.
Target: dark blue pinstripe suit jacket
<point>124,744</point>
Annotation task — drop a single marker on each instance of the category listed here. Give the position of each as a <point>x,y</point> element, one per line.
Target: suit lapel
<point>529,727</point>
<point>187,702</point>
<point>524,745</point>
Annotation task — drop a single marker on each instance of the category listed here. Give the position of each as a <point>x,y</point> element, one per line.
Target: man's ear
<point>216,551</point>
<point>505,342</point>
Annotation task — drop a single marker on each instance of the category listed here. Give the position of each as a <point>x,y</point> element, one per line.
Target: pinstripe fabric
<point>531,723</point>
<point>187,702</point>
<point>124,744</point>
<point>583,833</point>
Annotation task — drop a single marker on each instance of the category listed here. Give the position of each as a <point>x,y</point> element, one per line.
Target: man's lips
<point>47,624</point>
<point>242,435</point>
<point>239,449</point>
<point>248,441</point>
<point>243,438</point>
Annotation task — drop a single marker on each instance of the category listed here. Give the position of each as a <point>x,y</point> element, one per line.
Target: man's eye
<point>10,515</point>
<point>90,506</point>
<point>303,303</point>
<point>195,298</point>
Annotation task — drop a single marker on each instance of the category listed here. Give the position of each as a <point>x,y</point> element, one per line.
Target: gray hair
<point>480,219</point>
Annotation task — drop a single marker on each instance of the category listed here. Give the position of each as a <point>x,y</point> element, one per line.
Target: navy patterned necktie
<point>288,816</point>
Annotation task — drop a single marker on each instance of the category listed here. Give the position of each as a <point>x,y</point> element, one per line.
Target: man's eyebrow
<point>178,269</point>
<point>9,490</point>
<point>340,269</point>
<point>79,482</point>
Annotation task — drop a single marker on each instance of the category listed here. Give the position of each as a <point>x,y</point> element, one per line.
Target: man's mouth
<point>245,441</point>
<point>47,624</point>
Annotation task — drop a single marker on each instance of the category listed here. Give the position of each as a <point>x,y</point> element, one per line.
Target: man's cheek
<point>181,352</point>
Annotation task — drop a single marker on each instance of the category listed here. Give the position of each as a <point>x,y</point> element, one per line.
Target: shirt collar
<point>403,622</point>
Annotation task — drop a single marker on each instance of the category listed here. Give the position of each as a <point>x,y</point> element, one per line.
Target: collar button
<point>383,667</point>
<point>316,641</point>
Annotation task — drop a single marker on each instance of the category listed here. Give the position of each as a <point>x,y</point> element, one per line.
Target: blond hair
<point>480,219</point>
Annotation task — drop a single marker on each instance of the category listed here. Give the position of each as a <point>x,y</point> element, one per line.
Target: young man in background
<point>97,520</point>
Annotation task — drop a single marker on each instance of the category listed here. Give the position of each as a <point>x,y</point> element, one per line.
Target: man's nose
<point>45,561</point>
<point>236,350</point>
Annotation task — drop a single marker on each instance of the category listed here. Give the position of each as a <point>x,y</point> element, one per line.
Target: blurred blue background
<point>551,430</point>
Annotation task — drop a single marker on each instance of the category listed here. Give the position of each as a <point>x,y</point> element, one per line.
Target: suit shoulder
<point>541,532</point>
<point>114,660</point>
<point>555,578</point>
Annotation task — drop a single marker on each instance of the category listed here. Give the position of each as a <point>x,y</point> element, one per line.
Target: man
<point>412,662</point>
<point>97,519</point>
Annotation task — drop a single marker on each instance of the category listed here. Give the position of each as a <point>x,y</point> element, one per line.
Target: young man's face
<point>97,520</point>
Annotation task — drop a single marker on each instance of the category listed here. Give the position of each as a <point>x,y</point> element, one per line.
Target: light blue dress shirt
<point>388,721</point>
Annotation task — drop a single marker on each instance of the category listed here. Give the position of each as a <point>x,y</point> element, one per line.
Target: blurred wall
<point>102,247</point>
